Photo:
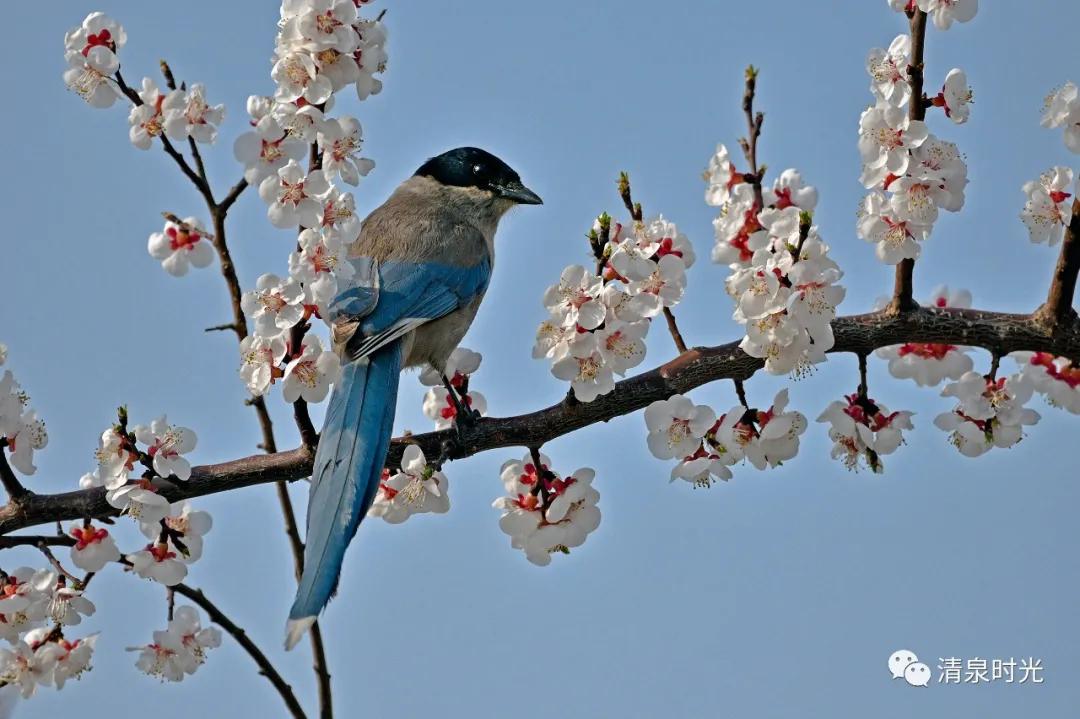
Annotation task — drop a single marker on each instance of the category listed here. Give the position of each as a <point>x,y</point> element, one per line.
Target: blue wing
<point>399,296</point>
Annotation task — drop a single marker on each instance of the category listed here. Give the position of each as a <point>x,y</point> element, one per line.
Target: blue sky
<point>778,594</point>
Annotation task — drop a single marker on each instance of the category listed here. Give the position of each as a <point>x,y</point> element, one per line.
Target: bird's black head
<point>473,167</point>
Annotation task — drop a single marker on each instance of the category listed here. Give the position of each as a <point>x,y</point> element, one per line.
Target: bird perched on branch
<point>422,263</point>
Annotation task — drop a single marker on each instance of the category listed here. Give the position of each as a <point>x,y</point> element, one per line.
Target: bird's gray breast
<point>433,342</point>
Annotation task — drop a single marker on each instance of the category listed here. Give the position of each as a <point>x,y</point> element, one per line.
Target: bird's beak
<point>517,192</point>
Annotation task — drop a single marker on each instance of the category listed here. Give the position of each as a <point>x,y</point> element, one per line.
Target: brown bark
<point>997,332</point>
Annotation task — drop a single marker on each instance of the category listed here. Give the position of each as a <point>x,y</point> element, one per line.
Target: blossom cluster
<point>179,649</point>
<point>90,52</point>
<point>22,432</point>
<point>706,446</point>
<point>544,513</point>
<point>1056,378</point>
<point>598,320</point>
<point>322,47</point>
<point>1062,109</point>
<point>942,12</point>
<point>1048,208</point>
<point>912,175</point>
<point>989,413</point>
<point>863,430</point>
<point>439,406</point>
<point>416,488</point>
<point>930,363</point>
<point>36,608</point>
<point>174,530</point>
<point>783,282</point>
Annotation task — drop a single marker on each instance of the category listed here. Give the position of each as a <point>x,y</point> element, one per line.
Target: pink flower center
<point>85,536</point>
<point>180,239</point>
<point>160,552</point>
<point>925,351</point>
<point>667,247</point>
<point>102,39</point>
<point>783,198</point>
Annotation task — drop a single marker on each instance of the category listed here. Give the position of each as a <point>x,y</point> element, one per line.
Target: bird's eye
<point>476,169</point>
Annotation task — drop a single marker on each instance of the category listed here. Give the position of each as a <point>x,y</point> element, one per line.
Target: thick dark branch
<point>1058,308</point>
<point>861,334</point>
<point>15,489</point>
<point>903,288</point>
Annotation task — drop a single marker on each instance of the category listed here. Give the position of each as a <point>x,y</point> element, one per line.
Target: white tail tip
<point>295,629</point>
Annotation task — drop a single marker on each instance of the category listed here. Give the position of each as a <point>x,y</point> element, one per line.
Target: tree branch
<point>903,287</point>
<point>15,489</point>
<point>265,667</point>
<point>43,542</point>
<point>1000,333</point>
<point>1058,308</point>
<point>233,196</point>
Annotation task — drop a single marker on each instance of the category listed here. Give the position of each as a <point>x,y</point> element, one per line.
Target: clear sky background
<point>778,594</point>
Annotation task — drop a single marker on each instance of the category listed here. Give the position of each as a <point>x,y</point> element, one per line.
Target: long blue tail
<point>345,477</point>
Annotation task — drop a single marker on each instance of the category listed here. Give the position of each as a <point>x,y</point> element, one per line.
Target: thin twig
<point>863,387</point>
<point>228,326</point>
<point>43,547</point>
<point>201,185</point>
<point>673,328</point>
<point>233,195</point>
<point>265,667</point>
<point>740,391</point>
<point>754,121</point>
<point>634,208</point>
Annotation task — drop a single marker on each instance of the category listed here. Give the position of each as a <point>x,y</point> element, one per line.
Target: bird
<point>422,263</point>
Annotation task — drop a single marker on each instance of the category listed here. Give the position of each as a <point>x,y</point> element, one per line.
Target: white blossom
<point>340,140</point>
<point>180,246</point>
<point>178,650</point>
<point>191,524</point>
<point>166,444</point>
<point>575,301</point>
<point>158,562</point>
<point>261,357</point>
<point>275,304</point>
<point>989,412</point>
<point>538,530</point>
<point>417,488</point>
<point>863,430</point>
<point>888,71</point>
<point>310,373</point>
<point>1048,210</point>
<point>293,196</point>
<point>584,367</point>
<point>139,501</point>
<point>944,12</point>
<point>439,408</point>
<point>187,114</point>
<point>1056,378</point>
<point>94,548</point>
<point>676,426</point>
